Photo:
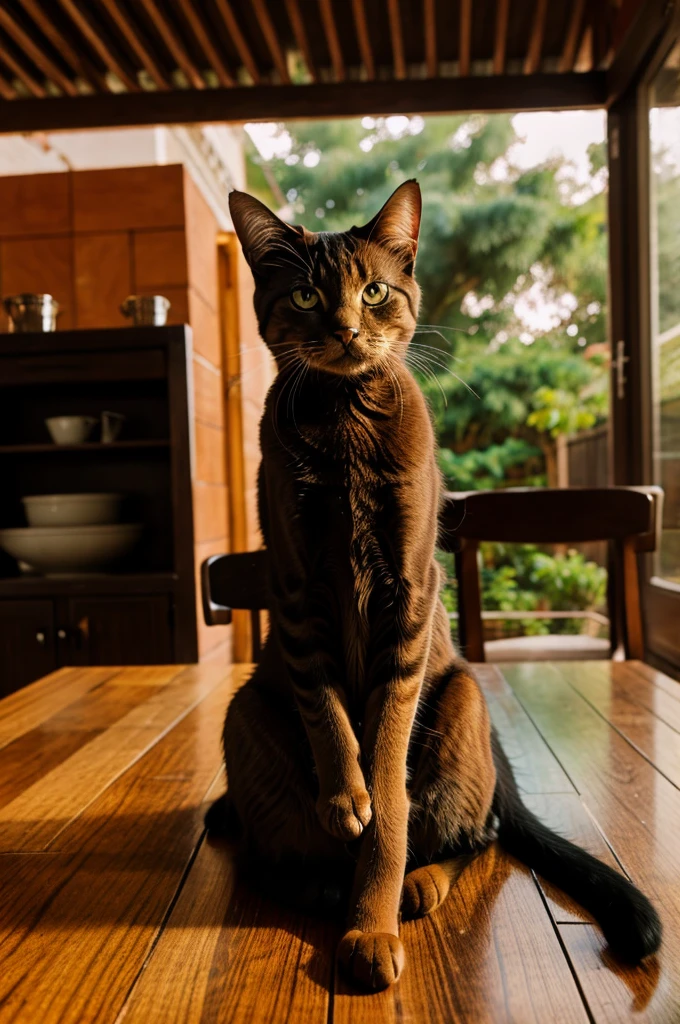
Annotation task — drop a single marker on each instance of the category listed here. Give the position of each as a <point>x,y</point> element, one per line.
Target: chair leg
<point>634,642</point>
<point>470,627</point>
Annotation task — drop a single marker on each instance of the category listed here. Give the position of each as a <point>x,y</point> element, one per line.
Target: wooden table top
<point>114,906</point>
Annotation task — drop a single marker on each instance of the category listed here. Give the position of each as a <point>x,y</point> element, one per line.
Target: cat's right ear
<point>259,231</point>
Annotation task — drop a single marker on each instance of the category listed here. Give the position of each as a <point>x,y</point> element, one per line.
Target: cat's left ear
<point>396,226</point>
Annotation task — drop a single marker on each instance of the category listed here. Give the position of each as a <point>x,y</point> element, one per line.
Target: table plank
<point>635,806</point>
<point>228,955</point>
<point>25,709</point>
<point>488,955</point>
<point>76,927</point>
<point>36,817</point>
<point>609,693</point>
<point>617,994</point>
<point>536,768</point>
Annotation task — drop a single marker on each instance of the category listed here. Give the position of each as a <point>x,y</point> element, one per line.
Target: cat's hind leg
<point>451,788</point>
<point>426,887</point>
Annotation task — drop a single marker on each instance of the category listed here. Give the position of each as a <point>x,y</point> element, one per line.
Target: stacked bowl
<point>70,533</point>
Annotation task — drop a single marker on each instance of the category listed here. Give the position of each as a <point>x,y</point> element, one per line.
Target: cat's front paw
<point>371,960</point>
<point>345,815</point>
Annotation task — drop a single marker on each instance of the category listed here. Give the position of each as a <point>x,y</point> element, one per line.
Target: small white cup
<point>70,429</point>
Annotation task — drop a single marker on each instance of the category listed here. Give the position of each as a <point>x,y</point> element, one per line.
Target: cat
<point>360,754</point>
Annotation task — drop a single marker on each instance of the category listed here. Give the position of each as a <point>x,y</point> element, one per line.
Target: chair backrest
<point>627,517</point>
<point>233,582</point>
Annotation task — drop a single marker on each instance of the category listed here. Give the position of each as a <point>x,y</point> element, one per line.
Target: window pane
<point>665,220</point>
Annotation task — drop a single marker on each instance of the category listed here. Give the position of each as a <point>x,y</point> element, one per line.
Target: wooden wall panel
<point>160,260</point>
<point>201,243</point>
<point>128,198</point>
<point>103,278</point>
<point>35,205</point>
<point>210,512</point>
<point>206,328</point>
<point>208,393</point>
<point>40,265</point>
<point>210,454</point>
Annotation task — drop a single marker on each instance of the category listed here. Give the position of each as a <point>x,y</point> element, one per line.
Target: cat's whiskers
<point>426,370</point>
<point>434,362</point>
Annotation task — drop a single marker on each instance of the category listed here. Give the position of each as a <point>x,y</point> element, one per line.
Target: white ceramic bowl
<point>71,509</point>
<point>70,549</point>
<point>70,429</point>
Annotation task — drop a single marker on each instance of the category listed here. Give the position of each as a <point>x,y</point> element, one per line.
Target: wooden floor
<point>114,907</point>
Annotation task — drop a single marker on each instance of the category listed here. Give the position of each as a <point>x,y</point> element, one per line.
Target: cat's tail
<point>628,920</point>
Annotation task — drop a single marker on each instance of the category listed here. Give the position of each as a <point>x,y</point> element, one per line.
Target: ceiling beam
<point>31,49</point>
<point>533,57</point>
<point>99,44</point>
<point>173,43</point>
<point>193,15</point>
<point>10,61</point>
<point>363,38</point>
<point>238,39</point>
<point>136,43</point>
<point>332,40</point>
<point>654,19</point>
<point>271,39</point>
<point>501,37</point>
<point>430,28</point>
<point>465,35</point>
<point>572,37</point>
<point>300,32</point>
<point>82,67</point>
<point>397,38</point>
<point>344,99</point>
<point>7,91</point>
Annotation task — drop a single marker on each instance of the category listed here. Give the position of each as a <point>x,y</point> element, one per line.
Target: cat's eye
<point>305,298</point>
<point>375,293</point>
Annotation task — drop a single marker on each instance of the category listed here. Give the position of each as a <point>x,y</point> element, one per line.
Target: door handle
<point>40,637</point>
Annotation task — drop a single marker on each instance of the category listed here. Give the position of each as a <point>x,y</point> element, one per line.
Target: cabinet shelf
<point>93,446</point>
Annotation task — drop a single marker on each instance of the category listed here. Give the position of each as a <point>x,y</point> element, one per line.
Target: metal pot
<point>29,312</point>
<point>146,310</point>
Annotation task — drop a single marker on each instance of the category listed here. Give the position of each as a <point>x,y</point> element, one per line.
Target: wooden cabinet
<point>143,610</point>
<point>27,648</point>
<point>117,630</point>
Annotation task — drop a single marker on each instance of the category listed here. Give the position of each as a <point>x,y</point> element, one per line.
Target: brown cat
<point>361,747</point>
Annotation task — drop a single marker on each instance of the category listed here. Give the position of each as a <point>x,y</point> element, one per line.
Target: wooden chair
<point>235,581</point>
<point>627,517</point>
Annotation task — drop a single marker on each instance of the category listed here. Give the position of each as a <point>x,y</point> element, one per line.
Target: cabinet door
<point>26,643</point>
<point>117,631</point>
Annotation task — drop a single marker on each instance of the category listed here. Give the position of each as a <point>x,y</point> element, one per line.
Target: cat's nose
<point>346,334</point>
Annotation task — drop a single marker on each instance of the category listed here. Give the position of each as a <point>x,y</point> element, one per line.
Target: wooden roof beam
<point>501,37</point>
<point>533,58</point>
<point>36,54</point>
<point>332,39</point>
<point>195,19</point>
<point>21,73</point>
<point>430,27</point>
<point>363,38</point>
<point>238,39</point>
<point>82,67</point>
<point>173,43</point>
<point>485,94</point>
<point>271,39</point>
<point>99,44</point>
<point>136,43</point>
<point>7,91</point>
<point>465,38</point>
<point>300,33</point>
<point>397,37</point>
<point>572,37</point>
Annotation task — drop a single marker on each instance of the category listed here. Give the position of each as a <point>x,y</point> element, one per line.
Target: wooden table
<point>114,907</point>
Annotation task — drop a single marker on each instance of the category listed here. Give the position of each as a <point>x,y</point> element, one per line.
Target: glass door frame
<point>630,270</point>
